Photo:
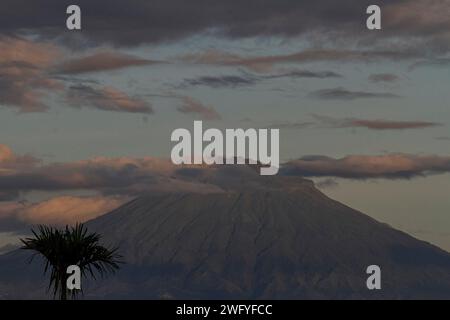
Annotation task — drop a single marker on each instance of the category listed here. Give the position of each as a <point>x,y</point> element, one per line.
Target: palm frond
<point>71,246</point>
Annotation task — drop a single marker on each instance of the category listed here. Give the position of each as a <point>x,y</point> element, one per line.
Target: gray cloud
<point>344,94</point>
<point>112,181</point>
<point>106,98</point>
<point>30,70</point>
<point>371,124</point>
<point>127,177</point>
<point>191,106</point>
<point>383,77</point>
<point>378,124</point>
<point>104,175</point>
<point>264,64</point>
<point>246,79</point>
<point>221,81</point>
<point>8,195</point>
<point>8,247</point>
<point>100,61</point>
<point>292,125</point>
<point>305,74</point>
<point>24,81</point>
<point>113,177</point>
<point>132,176</point>
<point>389,166</point>
<point>157,20</point>
<point>436,62</point>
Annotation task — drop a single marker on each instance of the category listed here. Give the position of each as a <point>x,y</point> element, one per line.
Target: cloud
<point>127,177</point>
<point>130,177</point>
<point>31,53</point>
<point>6,153</point>
<point>30,70</point>
<point>234,81</point>
<point>383,77</point>
<point>107,99</point>
<point>430,18</point>
<point>389,125</point>
<point>436,62</point>
<point>24,81</point>
<point>9,221</point>
<point>105,176</point>
<point>264,64</point>
<point>371,124</point>
<point>112,181</point>
<point>100,61</point>
<point>59,210</point>
<point>68,209</point>
<point>389,166</point>
<point>425,21</point>
<point>8,195</point>
<point>12,162</point>
<point>344,94</point>
<point>8,209</point>
<point>292,125</point>
<point>109,176</point>
<point>305,74</point>
<point>327,184</point>
<point>378,124</point>
<point>190,105</point>
<point>228,81</point>
<point>8,248</point>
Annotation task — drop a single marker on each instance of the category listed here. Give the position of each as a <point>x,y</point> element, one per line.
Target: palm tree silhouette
<point>71,246</point>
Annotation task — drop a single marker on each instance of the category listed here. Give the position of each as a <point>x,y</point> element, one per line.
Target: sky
<point>86,115</point>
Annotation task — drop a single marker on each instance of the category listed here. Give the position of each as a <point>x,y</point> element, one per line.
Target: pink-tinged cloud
<point>107,99</point>
<point>68,209</point>
<point>107,176</point>
<point>101,61</point>
<point>9,209</point>
<point>430,17</point>
<point>389,166</point>
<point>6,153</point>
<point>10,162</point>
<point>24,81</point>
<point>191,106</point>
<point>33,53</point>
<point>135,176</point>
<point>30,70</point>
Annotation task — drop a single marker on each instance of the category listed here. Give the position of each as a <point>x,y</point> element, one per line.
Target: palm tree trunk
<point>63,295</point>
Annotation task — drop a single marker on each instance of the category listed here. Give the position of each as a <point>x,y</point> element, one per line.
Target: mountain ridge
<point>281,240</point>
<point>259,231</point>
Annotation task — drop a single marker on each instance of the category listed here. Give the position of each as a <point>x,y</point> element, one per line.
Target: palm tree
<point>71,246</point>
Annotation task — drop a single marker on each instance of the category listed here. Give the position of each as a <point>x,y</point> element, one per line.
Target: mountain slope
<point>266,244</point>
<point>279,239</point>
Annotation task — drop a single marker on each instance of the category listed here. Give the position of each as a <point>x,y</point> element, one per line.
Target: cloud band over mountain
<point>389,166</point>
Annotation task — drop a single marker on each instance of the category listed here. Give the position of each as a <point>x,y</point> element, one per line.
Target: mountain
<point>281,239</point>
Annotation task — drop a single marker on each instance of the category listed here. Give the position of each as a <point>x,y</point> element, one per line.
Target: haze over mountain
<point>251,237</point>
